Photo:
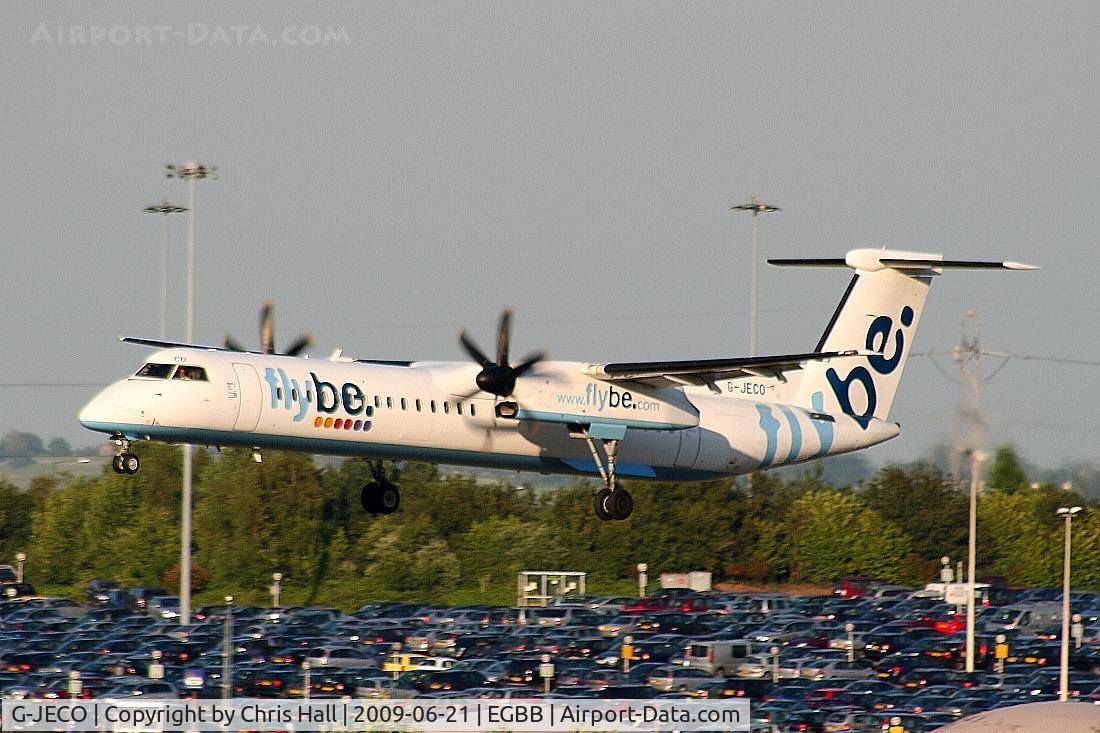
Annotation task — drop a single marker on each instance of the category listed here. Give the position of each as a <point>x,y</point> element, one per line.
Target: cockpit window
<point>155,371</point>
<point>190,373</point>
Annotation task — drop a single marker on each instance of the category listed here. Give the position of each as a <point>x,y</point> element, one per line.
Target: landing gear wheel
<point>620,504</point>
<point>389,498</point>
<point>130,463</point>
<point>380,498</point>
<point>117,464</point>
<point>601,504</point>
<point>369,498</point>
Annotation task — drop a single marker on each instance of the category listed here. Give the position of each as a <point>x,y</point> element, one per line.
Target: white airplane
<point>668,420</point>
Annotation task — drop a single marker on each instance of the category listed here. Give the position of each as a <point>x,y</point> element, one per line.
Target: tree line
<point>459,539</point>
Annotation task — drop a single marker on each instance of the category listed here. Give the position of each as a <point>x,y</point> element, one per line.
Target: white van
<point>1024,617</point>
<point>718,657</point>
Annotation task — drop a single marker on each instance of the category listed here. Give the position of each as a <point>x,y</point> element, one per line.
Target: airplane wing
<point>158,344</point>
<point>705,372</point>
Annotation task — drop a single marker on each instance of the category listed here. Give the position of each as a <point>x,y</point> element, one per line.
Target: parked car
<point>681,679</point>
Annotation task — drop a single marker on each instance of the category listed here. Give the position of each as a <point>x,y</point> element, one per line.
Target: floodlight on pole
<point>20,559</point>
<point>164,209</point>
<point>191,172</point>
<point>1067,513</point>
<point>757,206</point>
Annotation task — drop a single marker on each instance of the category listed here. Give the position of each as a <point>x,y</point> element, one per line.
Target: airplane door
<point>249,396</point>
<point>689,447</point>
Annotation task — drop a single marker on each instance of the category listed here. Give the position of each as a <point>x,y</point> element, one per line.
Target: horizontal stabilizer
<point>956,264</point>
<point>872,260</point>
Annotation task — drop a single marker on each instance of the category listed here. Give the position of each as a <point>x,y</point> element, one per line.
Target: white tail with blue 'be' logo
<point>877,316</point>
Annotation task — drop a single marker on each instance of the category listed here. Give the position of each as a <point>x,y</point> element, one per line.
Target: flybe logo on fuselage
<point>287,393</point>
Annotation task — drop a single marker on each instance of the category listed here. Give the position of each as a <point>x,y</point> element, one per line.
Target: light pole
<point>276,587</point>
<point>20,559</point>
<point>757,206</point>
<point>976,459</point>
<point>642,579</point>
<point>164,209</point>
<point>227,651</point>
<point>190,172</point>
<point>1067,513</point>
<point>850,629</point>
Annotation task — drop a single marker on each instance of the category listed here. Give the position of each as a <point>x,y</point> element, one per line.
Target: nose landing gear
<point>124,461</point>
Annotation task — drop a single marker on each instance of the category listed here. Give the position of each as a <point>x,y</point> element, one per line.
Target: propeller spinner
<point>499,377</point>
<point>267,335</point>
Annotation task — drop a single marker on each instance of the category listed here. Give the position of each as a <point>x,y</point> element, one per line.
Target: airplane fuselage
<point>427,411</point>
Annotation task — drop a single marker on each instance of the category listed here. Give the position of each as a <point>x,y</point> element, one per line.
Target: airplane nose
<point>95,414</point>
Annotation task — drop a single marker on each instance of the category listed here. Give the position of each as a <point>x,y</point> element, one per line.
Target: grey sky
<point>577,161</point>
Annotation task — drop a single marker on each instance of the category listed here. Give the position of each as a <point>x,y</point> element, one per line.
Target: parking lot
<point>824,663</point>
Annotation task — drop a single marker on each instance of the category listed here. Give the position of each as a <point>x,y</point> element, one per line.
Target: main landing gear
<point>124,461</point>
<point>611,502</point>
<point>380,496</point>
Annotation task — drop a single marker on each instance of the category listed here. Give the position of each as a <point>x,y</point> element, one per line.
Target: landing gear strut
<point>611,501</point>
<point>380,496</point>
<point>124,461</point>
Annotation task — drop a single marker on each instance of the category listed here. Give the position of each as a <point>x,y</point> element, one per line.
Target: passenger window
<point>377,401</point>
<point>404,404</point>
<point>294,395</point>
<point>458,407</point>
<point>155,371</point>
<point>473,410</point>
<point>370,411</point>
<point>446,408</point>
<point>389,402</point>
<point>418,406</point>
<point>279,392</point>
<point>433,405</point>
<point>309,396</point>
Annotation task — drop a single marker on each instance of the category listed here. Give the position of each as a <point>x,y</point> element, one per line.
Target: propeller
<point>499,377</point>
<point>267,335</point>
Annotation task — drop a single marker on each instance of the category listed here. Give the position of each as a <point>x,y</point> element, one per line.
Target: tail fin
<point>879,313</point>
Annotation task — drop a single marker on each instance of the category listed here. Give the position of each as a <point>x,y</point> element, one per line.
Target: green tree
<point>1006,473</point>
<point>252,519</point>
<point>1017,537</point>
<point>59,447</point>
<point>16,509</point>
<point>15,444</point>
<point>408,561</point>
<point>833,534</point>
<point>929,508</point>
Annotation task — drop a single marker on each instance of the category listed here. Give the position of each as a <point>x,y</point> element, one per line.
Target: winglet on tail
<point>879,313</point>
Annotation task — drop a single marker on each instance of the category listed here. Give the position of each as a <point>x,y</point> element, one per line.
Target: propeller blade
<point>301,344</point>
<point>267,328</point>
<point>529,361</point>
<point>231,344</point>
<point>504,336</point>
<point>471,348</point>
